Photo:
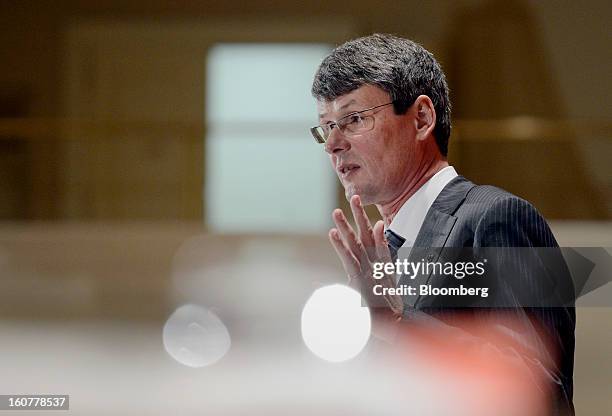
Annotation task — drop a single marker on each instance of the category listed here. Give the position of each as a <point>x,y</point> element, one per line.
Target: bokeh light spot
<point>194,336</point>
<point>335,325</point>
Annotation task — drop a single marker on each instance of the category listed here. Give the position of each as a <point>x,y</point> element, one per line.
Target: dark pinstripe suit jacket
<point>469,215</point>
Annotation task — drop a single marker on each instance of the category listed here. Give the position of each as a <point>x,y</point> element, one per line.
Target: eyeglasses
<point>350,125</point>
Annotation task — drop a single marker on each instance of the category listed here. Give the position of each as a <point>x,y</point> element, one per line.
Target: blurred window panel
<point>264,173</point>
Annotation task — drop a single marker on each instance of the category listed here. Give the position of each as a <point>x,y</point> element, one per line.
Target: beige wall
<point>504,59</point>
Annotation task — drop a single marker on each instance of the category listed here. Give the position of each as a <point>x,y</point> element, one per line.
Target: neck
<point>389,209</point>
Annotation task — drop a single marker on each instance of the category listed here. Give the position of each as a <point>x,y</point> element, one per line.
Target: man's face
<point>378,164</point>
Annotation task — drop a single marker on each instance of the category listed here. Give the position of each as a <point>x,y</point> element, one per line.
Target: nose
<point>336,142</point>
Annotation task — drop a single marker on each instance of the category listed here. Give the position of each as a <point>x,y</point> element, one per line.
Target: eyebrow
<point>341,108</point>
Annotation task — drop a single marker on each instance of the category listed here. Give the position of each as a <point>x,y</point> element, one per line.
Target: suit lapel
<point>434,232</point>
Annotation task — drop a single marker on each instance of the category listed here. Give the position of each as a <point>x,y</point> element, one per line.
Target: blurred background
<point>155,154</point>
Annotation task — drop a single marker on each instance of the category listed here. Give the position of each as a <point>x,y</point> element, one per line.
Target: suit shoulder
<point>503,219</point>
<point>482,199</point>
<point>508,219</point>
<point>488,195</point>
<point>487,200</point>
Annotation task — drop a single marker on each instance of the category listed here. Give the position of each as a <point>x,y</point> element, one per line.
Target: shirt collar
<point>409,219</point>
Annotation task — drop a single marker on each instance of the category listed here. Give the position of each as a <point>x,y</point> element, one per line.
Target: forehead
<point>358,99</point>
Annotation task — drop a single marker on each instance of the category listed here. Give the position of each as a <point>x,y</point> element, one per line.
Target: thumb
<point>380,241</point>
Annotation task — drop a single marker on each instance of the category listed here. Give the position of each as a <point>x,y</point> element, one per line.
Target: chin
<point>366,197</point>
<point>349,191</point>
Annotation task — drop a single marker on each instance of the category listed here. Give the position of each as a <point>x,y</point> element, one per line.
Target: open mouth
<point>347,170</point>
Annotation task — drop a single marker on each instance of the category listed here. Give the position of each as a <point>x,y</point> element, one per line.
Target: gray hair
<point>399,66</point>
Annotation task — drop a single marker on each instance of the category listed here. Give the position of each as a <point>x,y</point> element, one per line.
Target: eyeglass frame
<point>319,138</point>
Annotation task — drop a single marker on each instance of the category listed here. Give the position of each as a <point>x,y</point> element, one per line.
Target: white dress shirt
<point>409,219</point>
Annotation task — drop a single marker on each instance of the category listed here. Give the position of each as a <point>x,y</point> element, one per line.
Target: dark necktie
<point>394,242</point>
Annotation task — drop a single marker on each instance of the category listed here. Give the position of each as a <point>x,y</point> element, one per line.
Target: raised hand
<point>358,251</point>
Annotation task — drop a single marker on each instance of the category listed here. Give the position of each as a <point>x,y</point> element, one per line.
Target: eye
<point>328,127</point>
<point>353,119</point>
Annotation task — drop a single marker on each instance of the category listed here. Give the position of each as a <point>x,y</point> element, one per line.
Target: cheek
<point>388,166</point>
<point>385,148</point>
<point>390,163</point>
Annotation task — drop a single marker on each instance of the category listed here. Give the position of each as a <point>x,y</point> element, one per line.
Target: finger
<point>349,262</point>
<point>380,241</point>
<point>364,227</point>
<point>348,235</point>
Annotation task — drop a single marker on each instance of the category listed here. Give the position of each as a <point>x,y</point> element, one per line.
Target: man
<point>384,120</point>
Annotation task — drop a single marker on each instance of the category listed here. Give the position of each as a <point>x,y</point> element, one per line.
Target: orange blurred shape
<point>482,364</point>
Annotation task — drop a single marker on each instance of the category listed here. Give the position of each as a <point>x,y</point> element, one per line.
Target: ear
<point>425,117</point>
